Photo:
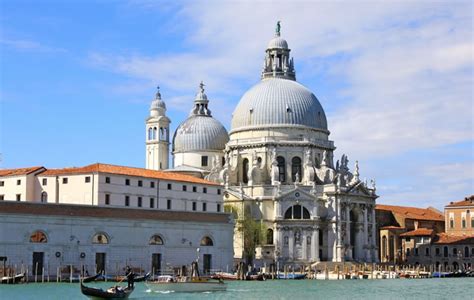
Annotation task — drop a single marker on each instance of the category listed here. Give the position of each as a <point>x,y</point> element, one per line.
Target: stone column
<point>366,235</point>
<point>374,236</point>
<point>339,242</point>
<point>304,244</point>
<point>315,244</point>
<point>291,244</point>
<point>348,229</point>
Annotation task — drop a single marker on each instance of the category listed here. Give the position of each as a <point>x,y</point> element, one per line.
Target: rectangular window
<point>88,179</point>
<point>2,197</point>
<point>416,251</point>
<point>140,183</point>
<point>127,181</point>
<point>451,223</point>
<point>18,182</point>
<point>152,184</point>
<point>2,183</point>
<point>107,179</point>
<point>203,161</point>
<point>218,208</point>
<point>152,202</point>
<point>204,190</point>
<point>107,199</point>
<point>427,251</point>
<point>185,188</point>
<point>437,251</point>
<point>65,180</point>
<point>472,222</point>
<point>204,206</point>
<point>218,191</point>
<point>45,181</point>
<point>170,186</point>
<point>194,189</point>
<point>194,206</point>
<point>127,201</point>
<point>18,197</point>
<point>139,202</point>
<point>168,204</point>
<point>463,222</point>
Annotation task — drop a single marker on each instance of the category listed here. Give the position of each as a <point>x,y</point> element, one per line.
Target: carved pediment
<point>359,189</point>
<point>296,194</point>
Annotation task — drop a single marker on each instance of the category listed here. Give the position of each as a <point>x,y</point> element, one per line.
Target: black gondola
<point>13,279</point>
<point>111,293</point>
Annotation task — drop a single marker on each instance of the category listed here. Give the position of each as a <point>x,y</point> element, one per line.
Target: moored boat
<point>12,279</point>
<point>291,276</point>
<point>185,284</point>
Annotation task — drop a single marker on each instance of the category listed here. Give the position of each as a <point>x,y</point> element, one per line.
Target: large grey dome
<point>278,102</point>
<point>200,133</point>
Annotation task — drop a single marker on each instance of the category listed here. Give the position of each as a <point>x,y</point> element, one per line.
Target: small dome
<point>277,42</point>
<point>278,102</point>
<point>200,133</point>
<point>158,103</point>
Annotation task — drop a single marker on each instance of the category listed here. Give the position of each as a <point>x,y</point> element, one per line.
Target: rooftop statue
<point>277,29</point>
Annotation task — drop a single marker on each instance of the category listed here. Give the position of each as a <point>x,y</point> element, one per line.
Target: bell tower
<point>157,135</point>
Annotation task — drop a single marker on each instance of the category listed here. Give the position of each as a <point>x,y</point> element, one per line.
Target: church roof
<point>19,171</point>
<point>128,171</point>
<point>414,213</point>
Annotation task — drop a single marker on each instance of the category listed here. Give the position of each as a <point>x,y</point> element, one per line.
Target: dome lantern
<point>278,63</point>
<point>201,103</point>
<point>158,106</point>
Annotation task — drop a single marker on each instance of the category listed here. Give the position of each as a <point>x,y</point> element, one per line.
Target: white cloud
<point>28,45</point>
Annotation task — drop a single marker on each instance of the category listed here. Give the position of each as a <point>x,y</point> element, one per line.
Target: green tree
<point>253,233</point>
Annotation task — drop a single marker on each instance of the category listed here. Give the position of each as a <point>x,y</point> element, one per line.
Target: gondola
<point>12,279</point>
<point>111,293</point>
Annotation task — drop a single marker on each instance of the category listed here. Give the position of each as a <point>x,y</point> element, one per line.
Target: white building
<point>47,239</point>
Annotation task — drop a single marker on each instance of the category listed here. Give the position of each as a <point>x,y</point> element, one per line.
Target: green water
<point>446,288</point>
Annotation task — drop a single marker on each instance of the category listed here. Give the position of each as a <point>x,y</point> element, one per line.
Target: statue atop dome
<point>277,29</point>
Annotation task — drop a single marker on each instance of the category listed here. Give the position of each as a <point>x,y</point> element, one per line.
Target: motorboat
<point>13,279</point>
<point>167,283</point>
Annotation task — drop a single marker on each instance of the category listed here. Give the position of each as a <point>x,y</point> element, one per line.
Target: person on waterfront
<point>130,276</point>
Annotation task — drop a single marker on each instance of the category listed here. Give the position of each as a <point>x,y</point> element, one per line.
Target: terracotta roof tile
<point>415,213</point>
<point>468,201</point>
<point>445,238</point>
<point>129,171</point>
<point>19,171</point>
<point>392,227</point>
<point>418,232</point>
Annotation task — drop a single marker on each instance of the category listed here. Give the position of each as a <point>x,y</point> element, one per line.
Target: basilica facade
<point>277,165</point>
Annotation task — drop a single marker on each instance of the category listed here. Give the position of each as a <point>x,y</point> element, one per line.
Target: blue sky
<point>395,79</point>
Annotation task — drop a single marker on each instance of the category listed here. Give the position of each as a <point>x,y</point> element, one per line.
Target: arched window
<point>296,168</point>
<point>44,197</point>
<point>38,237</point>
<point>154,133</point>
<point>269,236</point>
<point>150,133</point>
<point>207,241</point>
<point>281,169</point>
<point>156,240</point>
<point>245,170</point>
<point>445,251</point>
<point>466,251</point>
<point>297,212</point>
<point>162,135</point>
<point>165,134</point>
<point>100,238</point>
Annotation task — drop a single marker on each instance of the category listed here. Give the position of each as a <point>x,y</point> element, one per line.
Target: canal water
<point>435,288</point>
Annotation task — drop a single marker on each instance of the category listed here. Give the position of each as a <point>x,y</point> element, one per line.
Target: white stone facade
<point>69,238</point>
